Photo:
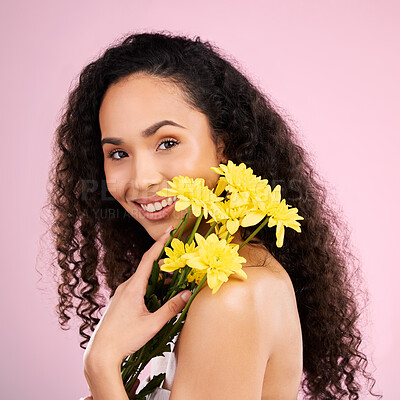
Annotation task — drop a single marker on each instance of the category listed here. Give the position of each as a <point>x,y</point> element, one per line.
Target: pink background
<point>333,68</point>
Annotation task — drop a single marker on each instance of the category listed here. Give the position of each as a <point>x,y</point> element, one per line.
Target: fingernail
<point>186,296</point>
<point>168,229</point>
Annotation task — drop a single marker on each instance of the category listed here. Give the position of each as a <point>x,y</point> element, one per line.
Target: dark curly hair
<point>96,239</point>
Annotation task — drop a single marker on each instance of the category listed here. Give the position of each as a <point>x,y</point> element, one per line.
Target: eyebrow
<point>151,130</point>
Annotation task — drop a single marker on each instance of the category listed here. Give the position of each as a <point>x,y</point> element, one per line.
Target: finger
<point>145,266</point>
<point>172,307</point>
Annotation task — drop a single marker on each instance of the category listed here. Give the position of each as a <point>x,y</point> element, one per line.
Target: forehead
<point>136,102</point>
<point>139,92</point>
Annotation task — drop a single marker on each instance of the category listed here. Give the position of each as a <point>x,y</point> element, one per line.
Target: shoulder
<point>228,336</point>
<point>264,289</point>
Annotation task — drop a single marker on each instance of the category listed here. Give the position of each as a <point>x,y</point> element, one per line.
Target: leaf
<point>164,349</point>
<point>154,273</point>
<point>153,303</point>
<point>153,279</point>
<point>150,387</point>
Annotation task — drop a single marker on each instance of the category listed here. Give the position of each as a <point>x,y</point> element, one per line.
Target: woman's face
<point>149,135</point>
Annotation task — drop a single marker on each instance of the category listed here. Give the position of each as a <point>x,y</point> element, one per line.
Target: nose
<point>145,174</point>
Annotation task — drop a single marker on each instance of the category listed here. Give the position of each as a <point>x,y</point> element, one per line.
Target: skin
<point>239,349</point>
<point>145,164</point>
<point>125,327</point>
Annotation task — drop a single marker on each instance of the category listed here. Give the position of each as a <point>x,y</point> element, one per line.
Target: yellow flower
<point>240,181</point>
<point>231,217</point>
<point>175,260</point>
<point>217,258</point>
<point>264,203</point>
<point>195,275</point>
<point>284,216</point>
<point>221,231</point>
<point>192,192</point>
<point>257,200</point>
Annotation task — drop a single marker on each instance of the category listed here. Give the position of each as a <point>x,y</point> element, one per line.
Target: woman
<point>155,106</point>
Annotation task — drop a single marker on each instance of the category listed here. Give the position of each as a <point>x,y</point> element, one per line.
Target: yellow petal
<point>169,267</point>
<point>178,245</point>
<point>199,239</point>
<point>252,218</point>
<point>166,192</point>
<point>222,276</point>
<point>216,288</point>
<point>220,186</point>
<point>196,263</point>
<point>181,205</point>
<point>271,222</point>
<point>280,231</point>
<point>232,226</point>
<point>241,273</point>
<point>196,210</point>
<point>169,252</point>
<point>212,279</point>
<point>217,170</point>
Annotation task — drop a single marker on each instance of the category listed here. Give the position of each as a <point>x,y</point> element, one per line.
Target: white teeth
<point>150,207</point>
<point>157,206</point>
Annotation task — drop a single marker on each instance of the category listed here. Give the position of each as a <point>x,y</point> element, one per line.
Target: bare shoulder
<point>257,301</point>
<point>265,287</point>
<point>228,336</point>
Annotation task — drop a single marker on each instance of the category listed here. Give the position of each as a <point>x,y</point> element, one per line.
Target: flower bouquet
<point>248,201</point>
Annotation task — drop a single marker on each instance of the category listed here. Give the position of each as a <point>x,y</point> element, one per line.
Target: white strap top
<point>159,365</point>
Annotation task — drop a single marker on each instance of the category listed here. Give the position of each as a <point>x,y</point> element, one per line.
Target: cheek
<point>195,161</point>
<point>195,169</point>
<point>212,178</point>
<point>114,184</point>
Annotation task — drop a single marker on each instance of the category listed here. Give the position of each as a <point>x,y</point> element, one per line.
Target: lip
<point>152,199</point>
<point>156,215</point>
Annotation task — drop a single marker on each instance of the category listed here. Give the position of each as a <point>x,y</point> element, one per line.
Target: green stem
<point>255,232</point>
<point>190,239</point>
<point>129,385</point>
<point>129,369</point>
<point>173,233</point>
<point>211,229</point>
<point>182,278</point>
<point>133,371</point>
<point>126,368</point>
<point>176,326</point>
<point>185,219</point>
<point>183,275</point>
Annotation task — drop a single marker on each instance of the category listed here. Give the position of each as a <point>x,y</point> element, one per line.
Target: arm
<point>225,343</point>
<point>125,327</point>
<point>105,382</point>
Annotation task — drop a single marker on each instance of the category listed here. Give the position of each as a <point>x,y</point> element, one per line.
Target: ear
<point>222,159</point>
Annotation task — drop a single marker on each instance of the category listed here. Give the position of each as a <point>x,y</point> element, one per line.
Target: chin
<point>154,232</point>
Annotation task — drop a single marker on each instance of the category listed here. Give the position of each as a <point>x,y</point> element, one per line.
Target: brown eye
<point>111,154</point>
<point>168,144</point>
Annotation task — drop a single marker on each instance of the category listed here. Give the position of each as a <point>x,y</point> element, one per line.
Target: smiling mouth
<point>150,212</point>
<point>158,205</point>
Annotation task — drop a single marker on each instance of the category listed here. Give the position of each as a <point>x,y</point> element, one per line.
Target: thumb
<point>173,306</point>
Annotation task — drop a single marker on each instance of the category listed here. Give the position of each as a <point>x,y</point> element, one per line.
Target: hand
<point>127,324</point>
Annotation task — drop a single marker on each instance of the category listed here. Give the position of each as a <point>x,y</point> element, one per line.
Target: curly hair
<point>95,238</point>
